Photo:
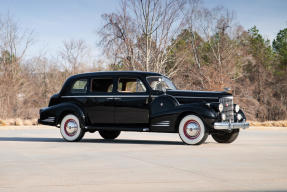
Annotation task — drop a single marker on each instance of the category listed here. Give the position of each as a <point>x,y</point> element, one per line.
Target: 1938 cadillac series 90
<point>111,102</point>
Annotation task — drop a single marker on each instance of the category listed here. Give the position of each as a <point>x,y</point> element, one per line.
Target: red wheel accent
<point>66,127</point>
<point>185,129</point>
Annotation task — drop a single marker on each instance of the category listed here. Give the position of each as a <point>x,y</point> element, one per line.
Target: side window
<point>79,86</point>
<point>102,85</point>
<point>131,85</point>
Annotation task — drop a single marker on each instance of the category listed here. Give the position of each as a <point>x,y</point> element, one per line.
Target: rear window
<point>80,86</point>
<point>102,85</point>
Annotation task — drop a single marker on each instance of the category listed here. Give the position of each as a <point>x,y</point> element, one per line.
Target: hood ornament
<point>227,89</point>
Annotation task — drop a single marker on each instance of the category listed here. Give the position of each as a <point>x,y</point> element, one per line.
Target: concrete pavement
<point>37,159</point>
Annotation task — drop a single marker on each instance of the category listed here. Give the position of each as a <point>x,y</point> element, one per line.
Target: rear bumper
<point>229,125</point>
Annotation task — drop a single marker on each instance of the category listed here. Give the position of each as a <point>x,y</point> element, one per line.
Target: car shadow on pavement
<point>132,141</point>
<point>98,141</point>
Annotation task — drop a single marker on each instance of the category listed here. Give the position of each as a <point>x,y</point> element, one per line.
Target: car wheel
<point>71,128</point>
<point>109,134</point>
<point>192,130</point>
<point>221,136</point>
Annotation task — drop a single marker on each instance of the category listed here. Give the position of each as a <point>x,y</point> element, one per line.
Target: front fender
<point>173,116</point>
<point>200,109</point>
<point>53,115</point>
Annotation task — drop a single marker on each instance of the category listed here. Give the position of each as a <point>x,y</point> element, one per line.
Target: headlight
<point>220,107</point>
<point>239,116</point>
<point>223,117</point>
<point>236,108</point>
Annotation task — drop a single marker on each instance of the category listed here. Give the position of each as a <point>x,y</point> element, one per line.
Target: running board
<point>118,128</point>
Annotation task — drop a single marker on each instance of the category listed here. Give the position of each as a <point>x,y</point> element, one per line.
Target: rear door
<point>131,101</point>
<point>101,102</point>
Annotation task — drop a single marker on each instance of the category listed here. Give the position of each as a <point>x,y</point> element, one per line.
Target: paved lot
<point>37,159</point>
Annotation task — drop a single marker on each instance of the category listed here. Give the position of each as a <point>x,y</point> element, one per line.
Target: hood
<point>198,94</point>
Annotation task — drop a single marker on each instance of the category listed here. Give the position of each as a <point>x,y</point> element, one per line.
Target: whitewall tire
<point>192,130</point>
<point>71,128</point>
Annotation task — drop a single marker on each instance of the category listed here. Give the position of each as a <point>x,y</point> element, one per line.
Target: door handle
<point>110,98</point>
<point>117,98</point>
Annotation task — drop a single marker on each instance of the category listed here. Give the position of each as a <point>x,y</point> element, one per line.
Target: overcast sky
<point>54,21</point>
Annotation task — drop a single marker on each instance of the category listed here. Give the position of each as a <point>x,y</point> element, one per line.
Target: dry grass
<point>269,123</point>
<point>18,122</point>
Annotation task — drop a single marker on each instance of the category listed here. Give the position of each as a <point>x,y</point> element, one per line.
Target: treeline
<point>26,84</point>
<point>197,47</point>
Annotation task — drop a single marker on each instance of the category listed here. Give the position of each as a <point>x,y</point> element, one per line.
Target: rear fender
<point>60,110</point>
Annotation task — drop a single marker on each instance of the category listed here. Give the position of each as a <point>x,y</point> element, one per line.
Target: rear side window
<point>79,87</point>
<point>102,85</point>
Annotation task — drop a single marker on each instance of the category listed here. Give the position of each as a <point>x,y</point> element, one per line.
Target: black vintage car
<point>111,102</point>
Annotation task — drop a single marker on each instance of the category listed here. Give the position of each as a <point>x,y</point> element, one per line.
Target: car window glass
<point>160,82</point>
<point>131,85</point>
<point>80,86</point>
<point>102,85</point>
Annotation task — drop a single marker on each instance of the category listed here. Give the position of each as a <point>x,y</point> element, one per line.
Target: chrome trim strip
<point>196,91</point>
<point>131,96</point>
<point>160,125</point>
<point>186,97</point>
<point>108,96</point>
<point>49,119</point>
<point>114,96</point>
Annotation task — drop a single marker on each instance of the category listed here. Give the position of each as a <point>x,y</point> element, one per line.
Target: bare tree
<point>216,27</point>
<point>140,35</point>
<point>73,54</point>
<point>14,43</point>
<point>192,14</point>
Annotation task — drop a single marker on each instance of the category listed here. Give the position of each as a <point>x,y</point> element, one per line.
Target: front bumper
<point>229,125</point>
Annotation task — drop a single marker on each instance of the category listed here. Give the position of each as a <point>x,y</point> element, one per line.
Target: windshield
<point>160,83</point>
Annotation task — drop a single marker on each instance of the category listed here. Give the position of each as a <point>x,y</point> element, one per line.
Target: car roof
<point>111,73</point>
<point>106,73</point>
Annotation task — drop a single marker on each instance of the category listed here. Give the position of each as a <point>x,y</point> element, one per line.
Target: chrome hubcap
<point>71,127</point>
<point>192,129</point>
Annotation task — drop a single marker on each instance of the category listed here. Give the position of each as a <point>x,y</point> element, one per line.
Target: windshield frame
<point>167,81</point>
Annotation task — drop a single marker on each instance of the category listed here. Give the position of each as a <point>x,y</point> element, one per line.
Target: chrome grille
<point>227,108</point>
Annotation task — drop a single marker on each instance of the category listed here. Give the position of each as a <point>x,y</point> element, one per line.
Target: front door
<point>131,101</point>
<point>101,102</point>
